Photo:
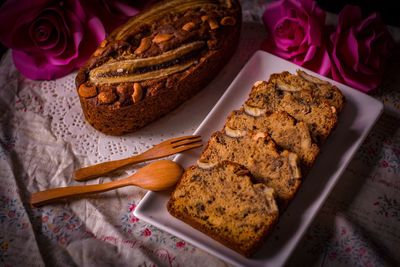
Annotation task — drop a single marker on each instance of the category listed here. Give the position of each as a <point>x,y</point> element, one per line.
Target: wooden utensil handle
<point>101,169</point>
<point>52,195</point>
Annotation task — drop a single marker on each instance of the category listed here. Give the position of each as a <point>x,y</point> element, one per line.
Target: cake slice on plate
<point>223,202</point>
<point>284,130</point>
<point>258,153</point>
<point>314,103</point>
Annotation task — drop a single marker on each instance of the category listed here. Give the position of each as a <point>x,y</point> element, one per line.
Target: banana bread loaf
<point>223,202</point>
<point>156,61</point>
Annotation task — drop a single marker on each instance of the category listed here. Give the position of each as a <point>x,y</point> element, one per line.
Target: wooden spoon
<point>156,176</point>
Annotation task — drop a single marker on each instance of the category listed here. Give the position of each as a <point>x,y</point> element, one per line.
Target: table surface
<point>43,138</point>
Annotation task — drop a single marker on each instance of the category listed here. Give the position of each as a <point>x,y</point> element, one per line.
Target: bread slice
<point>258,153</point>
<point>284,130</point>
<point>223,202</point>
<point>301,99</point>
<point>311,89</point>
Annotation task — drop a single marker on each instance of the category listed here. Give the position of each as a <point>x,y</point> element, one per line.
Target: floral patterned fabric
<point>359,225</point>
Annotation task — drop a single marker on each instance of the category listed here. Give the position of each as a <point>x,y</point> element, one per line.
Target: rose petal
<point>36,68</point>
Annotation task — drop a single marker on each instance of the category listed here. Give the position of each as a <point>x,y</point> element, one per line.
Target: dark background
<point>387,9</point>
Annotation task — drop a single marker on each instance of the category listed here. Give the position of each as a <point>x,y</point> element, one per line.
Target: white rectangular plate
<point>356,120</point>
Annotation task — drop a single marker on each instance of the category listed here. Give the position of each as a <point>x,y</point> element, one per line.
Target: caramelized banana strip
<point>120,68</point>
<point>137,77</point>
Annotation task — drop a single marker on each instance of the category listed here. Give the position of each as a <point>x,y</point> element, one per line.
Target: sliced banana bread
<point>309,88</point>
<point>286,132</point>
<point>224,203</point>
<point>319,116</point>
<point>258,153</point>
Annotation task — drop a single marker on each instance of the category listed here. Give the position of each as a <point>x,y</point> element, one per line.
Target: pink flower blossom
<point>134,219</point>
<point>296,33</point>
<point>332,256</point>
<point>180,244</point>
<point>362,251</point>
<point>62,240</point>
<point>11,214</point>
<point>360,48</point>
<point>45,219</point>
<point>49,38</point>
<point>384,164</point>
<point>147,232</point>
<point>132,207</point>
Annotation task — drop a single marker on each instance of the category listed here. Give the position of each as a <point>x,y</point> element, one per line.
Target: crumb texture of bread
<point>258,153</point>
<point>284,130</point>
<point>224,203</point>
<point>315,104</point>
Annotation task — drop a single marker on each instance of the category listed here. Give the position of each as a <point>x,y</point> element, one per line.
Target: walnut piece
<point>106,97</point>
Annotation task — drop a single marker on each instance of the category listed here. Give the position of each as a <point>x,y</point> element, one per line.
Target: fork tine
<point>186,147</point>
<point>186,142</point>
<point>177,139</point>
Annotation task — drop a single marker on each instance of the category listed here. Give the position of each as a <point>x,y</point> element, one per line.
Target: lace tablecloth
<point>43,138</point>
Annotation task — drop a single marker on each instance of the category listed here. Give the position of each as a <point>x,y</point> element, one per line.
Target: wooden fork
<point>163,149</point>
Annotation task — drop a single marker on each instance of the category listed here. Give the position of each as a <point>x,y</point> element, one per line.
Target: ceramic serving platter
<point>355,121</point>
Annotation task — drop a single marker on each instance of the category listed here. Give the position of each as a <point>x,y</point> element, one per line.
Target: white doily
<point>58,101</point>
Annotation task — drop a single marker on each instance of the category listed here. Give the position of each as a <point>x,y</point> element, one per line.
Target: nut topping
<point>162,37</point>
<point>145,44</point>
<point>106,97</point>
<point>213,24</point>
<point>294,164</point>
<point>188,26</point>
<point>258,135</point>
<point>287,87</point>
<point>98,52</point>
<point>87,91</point>
<point>101,48</point>
<point>137,92</point>
<point>257,83</point>
<point>204,18</point>
<point>234,132</point>
<point>228,21</point>
<point>103,43</point>
<point>254,111</point>
<point>310,78</point>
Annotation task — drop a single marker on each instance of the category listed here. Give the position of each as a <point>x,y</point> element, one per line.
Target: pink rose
<point>49,38</point>
<point>295,31</point>
<point>360,49</point>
